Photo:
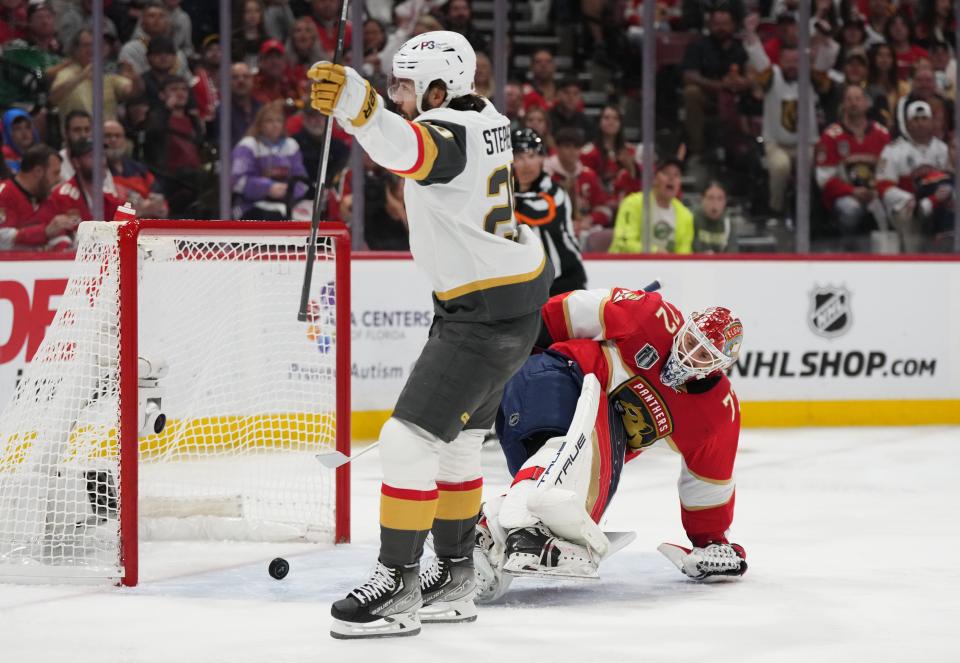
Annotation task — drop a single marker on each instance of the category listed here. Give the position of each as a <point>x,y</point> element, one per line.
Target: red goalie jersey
<point>700,420</point>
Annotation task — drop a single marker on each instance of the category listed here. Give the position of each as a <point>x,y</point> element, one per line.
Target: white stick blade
<point>333,459</point>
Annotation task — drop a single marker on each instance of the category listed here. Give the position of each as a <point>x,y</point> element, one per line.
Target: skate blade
<point>448,612</point>
<point>395,626</point>
<point>546,573</point>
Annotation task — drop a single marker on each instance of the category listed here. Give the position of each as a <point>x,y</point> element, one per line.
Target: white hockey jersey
<point>903,167</point>
<point>459,201</point>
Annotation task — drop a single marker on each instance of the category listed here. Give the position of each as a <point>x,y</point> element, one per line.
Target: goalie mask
<point>707,343</point>
<point>438,55</point>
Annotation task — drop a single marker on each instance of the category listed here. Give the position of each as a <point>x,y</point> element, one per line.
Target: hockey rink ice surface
<point>851,536</point>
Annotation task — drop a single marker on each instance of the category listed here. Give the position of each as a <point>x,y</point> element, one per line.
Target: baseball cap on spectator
<point>210,40</point>
<point>272,46</point>
<point>160,45</point>
<point>919,109</point>
<point>569,136</point>
<point>786,18</point>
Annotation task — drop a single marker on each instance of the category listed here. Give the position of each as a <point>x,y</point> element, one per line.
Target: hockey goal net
<point>176,395</point>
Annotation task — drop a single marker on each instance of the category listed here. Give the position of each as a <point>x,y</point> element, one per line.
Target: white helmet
<point>441,54</point>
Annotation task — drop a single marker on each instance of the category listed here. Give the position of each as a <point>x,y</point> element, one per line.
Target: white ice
<point>851,536</point>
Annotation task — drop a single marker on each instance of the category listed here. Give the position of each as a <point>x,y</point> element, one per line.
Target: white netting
<point>249,398</point>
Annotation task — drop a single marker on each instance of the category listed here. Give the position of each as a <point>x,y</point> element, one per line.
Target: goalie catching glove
<point>342,92</point>
<point>716,560</point>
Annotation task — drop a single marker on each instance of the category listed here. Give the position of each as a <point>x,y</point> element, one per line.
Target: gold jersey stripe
<point>493,282</point>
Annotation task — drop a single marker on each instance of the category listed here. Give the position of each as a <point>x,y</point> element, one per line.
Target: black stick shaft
<point>321,180</point>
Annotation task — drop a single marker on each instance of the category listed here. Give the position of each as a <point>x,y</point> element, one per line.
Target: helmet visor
<point>401,89</point>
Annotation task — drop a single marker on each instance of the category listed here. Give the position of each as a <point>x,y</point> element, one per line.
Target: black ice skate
<point>535,551</point>
<point>384,606</point>
<point>448,586</point>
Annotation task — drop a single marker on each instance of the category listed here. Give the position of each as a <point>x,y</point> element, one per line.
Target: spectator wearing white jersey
<point>914,180</point>
<point>781,112</point>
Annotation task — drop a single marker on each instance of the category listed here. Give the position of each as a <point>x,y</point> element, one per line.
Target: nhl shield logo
<point>830,313</point>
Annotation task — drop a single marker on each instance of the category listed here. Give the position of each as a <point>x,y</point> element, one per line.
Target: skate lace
<point>381,582</point>
<point>432,574</point>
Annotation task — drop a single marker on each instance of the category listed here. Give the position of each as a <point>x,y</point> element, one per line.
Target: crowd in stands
<point>881,115</point>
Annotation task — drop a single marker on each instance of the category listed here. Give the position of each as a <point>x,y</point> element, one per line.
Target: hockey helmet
<point>708,342</point>
<point>528,140</point>
<point>438,55</point>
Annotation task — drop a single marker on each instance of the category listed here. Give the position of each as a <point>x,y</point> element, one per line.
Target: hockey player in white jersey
<point>489,277</point>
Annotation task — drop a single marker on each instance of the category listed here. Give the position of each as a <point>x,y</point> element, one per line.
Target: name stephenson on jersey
<point>458,196</point>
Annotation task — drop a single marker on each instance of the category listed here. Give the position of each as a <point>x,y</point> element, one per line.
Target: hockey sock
<point>457,510</point>
<point>405,520</point>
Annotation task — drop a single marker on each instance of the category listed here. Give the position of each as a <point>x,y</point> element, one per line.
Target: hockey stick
<point>653,286</point>
<point>335,459</point>
<point>321,179</point>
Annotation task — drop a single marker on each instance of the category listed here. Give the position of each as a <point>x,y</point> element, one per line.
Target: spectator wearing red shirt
<point>900,36</point>
<point>629,177</point>
<point>847,156</point>
<point>603,153</point>
<point>541,92</point>
<point>326,14</point>
<point>21,225</point>
<point>271,81</point>
<point>206,72</point>
<point>591,201</point>
<point>786,35</point>
<point>13,20</point>
<point>73,197</point>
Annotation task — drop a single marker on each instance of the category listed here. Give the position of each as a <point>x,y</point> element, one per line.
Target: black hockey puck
<point>279,568</point>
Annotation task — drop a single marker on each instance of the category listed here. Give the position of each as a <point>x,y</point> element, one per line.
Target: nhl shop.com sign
<point>830,313</point>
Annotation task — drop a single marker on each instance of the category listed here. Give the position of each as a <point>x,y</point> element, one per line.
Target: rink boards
<point>827,341</point>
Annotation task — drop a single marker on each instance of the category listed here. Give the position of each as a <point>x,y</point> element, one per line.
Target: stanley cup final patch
<point>646,357</point>
<point>830,314</point>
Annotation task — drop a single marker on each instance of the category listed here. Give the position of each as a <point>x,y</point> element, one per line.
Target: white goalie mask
<point>439,55</point>
<point>707,343</point>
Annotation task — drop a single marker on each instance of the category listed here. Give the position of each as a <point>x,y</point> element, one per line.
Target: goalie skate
<point>534,551</point>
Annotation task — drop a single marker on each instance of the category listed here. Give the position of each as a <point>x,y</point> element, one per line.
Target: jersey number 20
<point>499,220</point>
